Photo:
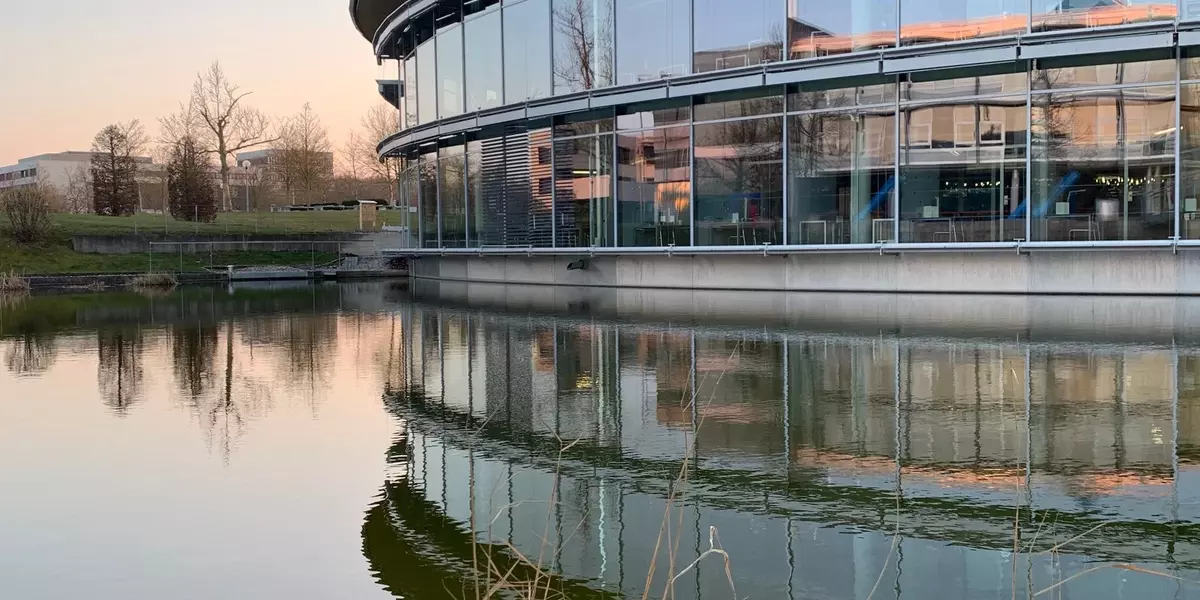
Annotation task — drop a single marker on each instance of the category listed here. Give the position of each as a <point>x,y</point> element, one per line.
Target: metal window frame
<point>1029,150</point>
<point>692,167</point>
<point>1178,178</point>
<point>897,187</point>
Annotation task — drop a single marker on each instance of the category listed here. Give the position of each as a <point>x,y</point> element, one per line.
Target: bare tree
<point>380,122</point>
<point>77,196</point>
<point>216,114</point>
<point>305,161</point>
<point>351,164</point>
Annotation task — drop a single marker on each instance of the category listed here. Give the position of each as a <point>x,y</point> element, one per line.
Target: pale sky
<point>74,66</point>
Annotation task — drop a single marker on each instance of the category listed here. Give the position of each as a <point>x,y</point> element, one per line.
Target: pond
<point>405,440</point>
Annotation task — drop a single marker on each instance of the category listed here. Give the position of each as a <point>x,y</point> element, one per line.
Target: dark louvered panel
<point>540,183</point>
<point>516,187</point>
<point>492,219</point>
<point>564,193</point>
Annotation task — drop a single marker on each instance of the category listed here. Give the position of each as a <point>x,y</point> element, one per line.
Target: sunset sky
<point>74,66</point>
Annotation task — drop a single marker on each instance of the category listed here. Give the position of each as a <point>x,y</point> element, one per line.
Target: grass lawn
<point>234,223</point>
<point>55,256</point>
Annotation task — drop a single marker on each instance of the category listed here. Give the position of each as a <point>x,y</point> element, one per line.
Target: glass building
<point>719,123</point>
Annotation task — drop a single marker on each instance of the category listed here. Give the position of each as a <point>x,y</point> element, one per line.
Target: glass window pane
<point>451,171</point>
<point>1189,150</point>
<point>739,182</point>
<point>401,103</point>
<point>1051,75</point>
<point>655,114</point>
<point>484,71</point>
<point>1103,165</point>
<point>654,187</point>
<point>408,190</point>
<point>824,28</point>
<point>732,106</point>
<point>583,45</point>
<point>583,191</point>
<point>737,34</point>
<point>1051,15</point>
<point>933,21</point>
<point>843,94</point>
<point>842,173</point>
<point>450,72</point>
<point>410,92</point>
<point>654,39</point>
<point>591,122</point>
<point>427,86</point>
<point>526,50</point>
<point>916,87</point>
<point>962,171</point>
<point>429,200</point>
<point>1191,9</point>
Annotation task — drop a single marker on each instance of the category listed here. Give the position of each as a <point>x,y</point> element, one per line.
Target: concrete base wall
<point>1133,271</point>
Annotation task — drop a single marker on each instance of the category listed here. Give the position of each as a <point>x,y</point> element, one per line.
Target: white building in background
<point>57,168</point>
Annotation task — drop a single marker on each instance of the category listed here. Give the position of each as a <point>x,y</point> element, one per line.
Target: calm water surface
<point>354,441</point>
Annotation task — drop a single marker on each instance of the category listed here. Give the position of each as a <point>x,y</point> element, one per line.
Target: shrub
<point>27,210</point>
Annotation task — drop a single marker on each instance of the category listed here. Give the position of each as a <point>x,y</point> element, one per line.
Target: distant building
<point>56,169</point>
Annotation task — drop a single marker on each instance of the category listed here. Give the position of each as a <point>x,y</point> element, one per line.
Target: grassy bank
<point>231,223</point>
<point>55,256</point>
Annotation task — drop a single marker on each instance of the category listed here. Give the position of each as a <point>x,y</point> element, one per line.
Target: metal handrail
<point>774,250</point>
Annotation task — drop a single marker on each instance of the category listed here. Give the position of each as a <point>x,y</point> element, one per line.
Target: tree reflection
<point>193,350</point>
<point>583,52</point>
<point>119,370</point>
<point>306,341</point>
<point>31,354</point>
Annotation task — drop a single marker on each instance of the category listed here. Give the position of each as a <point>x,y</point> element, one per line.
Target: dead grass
<point>13,283</point>
<point>153,281</point>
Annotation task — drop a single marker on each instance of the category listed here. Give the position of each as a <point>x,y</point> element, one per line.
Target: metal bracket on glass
<point>1174,244</point>
<point>766,247</point>
<point>1018,246</point>
<point>670,248</point>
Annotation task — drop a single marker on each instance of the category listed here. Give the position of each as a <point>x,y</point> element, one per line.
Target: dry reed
<point>13,283</point>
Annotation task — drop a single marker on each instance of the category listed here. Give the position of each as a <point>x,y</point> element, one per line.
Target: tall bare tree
<point>304,163</point>
<point>114,168</point>
<point>77,195</point>
<point>380,122</point>
<point>351,163</point>
<point>217,115</point>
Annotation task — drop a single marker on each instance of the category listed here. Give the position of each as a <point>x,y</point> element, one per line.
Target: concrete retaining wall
<point>107,281</point>
<point>1133,271</point>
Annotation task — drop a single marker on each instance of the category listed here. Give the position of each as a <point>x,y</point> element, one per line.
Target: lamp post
<point>246,166</point>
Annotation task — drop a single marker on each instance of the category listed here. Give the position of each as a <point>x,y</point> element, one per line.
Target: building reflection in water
<point>810,454</point>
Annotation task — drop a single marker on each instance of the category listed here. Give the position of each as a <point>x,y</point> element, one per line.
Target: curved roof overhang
<point>369,15</point>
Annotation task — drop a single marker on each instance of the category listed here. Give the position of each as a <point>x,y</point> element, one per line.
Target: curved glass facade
<point>538,48</point>
<point>1090,146</point>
